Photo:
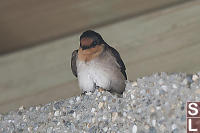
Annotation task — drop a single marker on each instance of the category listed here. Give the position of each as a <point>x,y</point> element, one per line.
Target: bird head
<point>90,39</point>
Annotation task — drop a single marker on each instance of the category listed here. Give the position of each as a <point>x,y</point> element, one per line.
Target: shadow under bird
<point>96,64</point>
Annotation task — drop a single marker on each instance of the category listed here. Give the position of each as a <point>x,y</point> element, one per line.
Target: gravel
<point>152,104</point>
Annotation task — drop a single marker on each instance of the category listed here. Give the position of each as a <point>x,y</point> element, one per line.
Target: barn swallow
<point>96,64</point>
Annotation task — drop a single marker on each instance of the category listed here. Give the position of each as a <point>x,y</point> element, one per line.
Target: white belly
<point>93,74</point>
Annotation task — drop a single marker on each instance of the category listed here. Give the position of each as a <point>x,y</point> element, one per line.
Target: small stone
<point>139,110</point>
<point>78,98</point>
<point>174,126</point>
<point>31,108</point>
<point>146,127</point>
<point>50,114</point>
<point>104,98</point>
<point>89,125</point>
<point>20,130</point>
<point>197,91</point>
<point>114,116</point>
<point>129,117</point>
<point>183,118</point>
<point>182,107</point>
<point>50,130</point>
<point>57,113</point>
<point>19,112</point>
<point>56,106</point>
<point>21,108</point>
<point>93,120</point>
<point>134,129</point>
<point>153,123</point>
<point>93,110</point>
<point>105,117</point>
<point>71,112</point>
<point>175,131</point>
<point>174,86</point>
<point>114,100</point>
<point>35,128</point>
<point>100,105</point>
<point>72,101</point>
<point>185,81</point>
<point>37,108</point>
<point>30,129</point>
<point>92,129</point>
<point>78,116</point>
<point>152,130</point>
<point>142,92</point>
<point>67,123</point>
<point>158,108</point>
<point>58,123</point>
<point>124,114</point>
<point>74,114</point>
<point>195,77</point>
<point>134,84</point>
<point>24,118</point>
<point>162,128</point>
<point>152,110</point>
<point>99,94</point>
<point>105,129</point>
<point>160,81</point>
<point>157,92</point>
<point>132,96</point>
<point>164,87</point>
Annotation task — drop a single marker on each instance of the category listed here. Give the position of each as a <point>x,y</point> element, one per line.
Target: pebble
<point>152,109</point>
<point>37,108</point>
<point>164,87</point>
<point>78,98</point>
<point>132,96</point>
<point>100,105</point>
<point>134,84</point>
<point>114,116</point>
<point>104,98</point>
<point>57,113</point>
<point>30,129</point>
<point>134,129</point>
<point>50,130</point>
<point>105,129</point>
<point>153,104</point>
<point>154,123</point>
<point>21,108</point>
<point>197,91</point>
<point>74,114</point>
<point>93,110</point>
<point>152,130</point>
<point>174,86</point>
<point>174,126</point>
<point>195,77</point>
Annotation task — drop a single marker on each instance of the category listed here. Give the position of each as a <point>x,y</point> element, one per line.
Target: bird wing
<point>73,62</point>
<point>118,59</point>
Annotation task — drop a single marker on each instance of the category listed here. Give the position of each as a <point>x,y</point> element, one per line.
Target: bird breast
<point>89,54</point>
<point>94,72</point>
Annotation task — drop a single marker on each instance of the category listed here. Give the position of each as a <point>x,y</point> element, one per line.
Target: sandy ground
<point>152,104</point>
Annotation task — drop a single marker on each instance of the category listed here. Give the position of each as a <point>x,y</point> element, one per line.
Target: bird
<point>98,65</point>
